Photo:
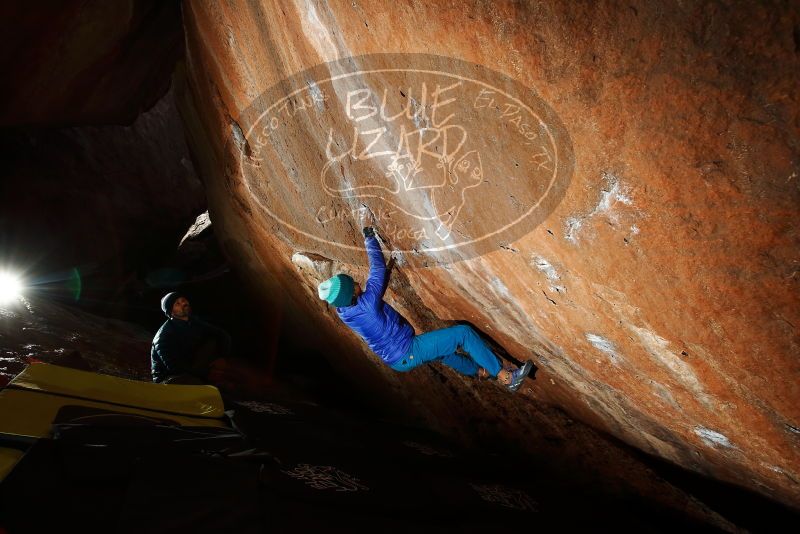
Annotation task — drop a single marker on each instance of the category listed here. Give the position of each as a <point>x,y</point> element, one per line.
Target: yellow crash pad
<point>30,402</point>
<point>8,459</point>
<point>31,413</point>
<point>197,401</point>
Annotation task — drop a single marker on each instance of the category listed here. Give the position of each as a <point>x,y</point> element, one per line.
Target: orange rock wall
<point>659,297</point>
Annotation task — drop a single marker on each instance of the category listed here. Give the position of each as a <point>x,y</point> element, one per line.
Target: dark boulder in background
<point>78,62</point>
<point>98,185</point>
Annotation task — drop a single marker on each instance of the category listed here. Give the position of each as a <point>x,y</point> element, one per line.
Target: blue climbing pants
<point>441,345</point>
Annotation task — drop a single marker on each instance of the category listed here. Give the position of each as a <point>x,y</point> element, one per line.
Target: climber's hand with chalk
<point>366,220</point>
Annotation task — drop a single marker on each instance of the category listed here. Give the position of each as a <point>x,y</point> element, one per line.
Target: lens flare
<point>74,284</point>
<point>10,288</point>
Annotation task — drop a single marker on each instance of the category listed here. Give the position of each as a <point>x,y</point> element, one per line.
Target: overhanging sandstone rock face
<point>659,295</point>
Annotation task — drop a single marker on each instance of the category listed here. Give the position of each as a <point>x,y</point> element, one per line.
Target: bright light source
<point>10,288</point>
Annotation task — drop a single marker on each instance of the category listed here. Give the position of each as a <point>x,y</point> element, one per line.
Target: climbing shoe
<point>518,375</point>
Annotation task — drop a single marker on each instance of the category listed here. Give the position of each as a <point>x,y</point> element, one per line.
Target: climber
<point>392,338</point>
<point>186,349</point>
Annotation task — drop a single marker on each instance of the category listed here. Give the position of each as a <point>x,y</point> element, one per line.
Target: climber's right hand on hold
<point>365,218</point>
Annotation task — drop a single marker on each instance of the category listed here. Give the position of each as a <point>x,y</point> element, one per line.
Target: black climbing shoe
<point>518,375</point>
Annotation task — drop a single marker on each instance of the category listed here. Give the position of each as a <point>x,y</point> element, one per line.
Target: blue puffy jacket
<point>386,332</point>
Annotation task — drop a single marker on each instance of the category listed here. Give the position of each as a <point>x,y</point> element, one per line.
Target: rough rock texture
<point>659,297</point>
<point>36,329</point>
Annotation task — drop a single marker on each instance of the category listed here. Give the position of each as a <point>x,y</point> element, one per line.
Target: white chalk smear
<point>549,271</point>
<point>603,345</point>
<point>316,95</point>
<point>608,198</point>
<point>712,438</point>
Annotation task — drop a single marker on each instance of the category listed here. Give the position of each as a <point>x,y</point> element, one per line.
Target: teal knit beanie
<point>337,291</point>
